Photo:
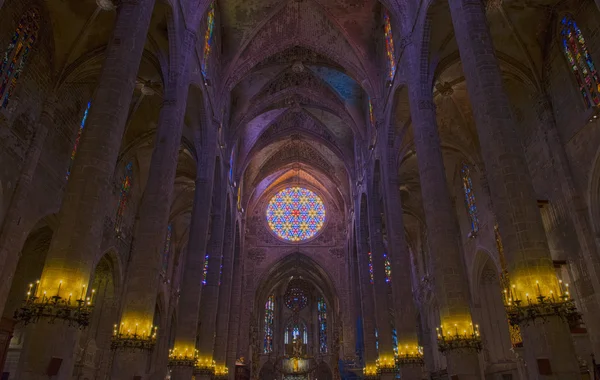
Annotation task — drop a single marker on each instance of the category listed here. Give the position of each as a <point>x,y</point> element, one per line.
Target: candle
<point>82,292</point>
<point>58,291</point>
<point>92,298</point>
<point>538,288</point>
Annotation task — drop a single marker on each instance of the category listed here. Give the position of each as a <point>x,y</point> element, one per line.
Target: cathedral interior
<point>299,189</point>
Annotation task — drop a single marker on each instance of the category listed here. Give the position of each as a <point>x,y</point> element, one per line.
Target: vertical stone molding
<point>13,233</point>
<point>224,308</point>
<point>366,291</point>
<point>405,312</point>
<point>191,283</point>
<point>153,217</point>
<point>77,239</point>
<point>210,292</point>
<point>451,284</point>
<point>528,257</point>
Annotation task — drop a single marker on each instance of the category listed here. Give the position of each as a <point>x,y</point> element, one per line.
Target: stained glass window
<point>167,249</point>
<point>208,38</point>
<point>295,299</point>
<point>296,214</point>
<point>388,268</point>
<point>580,61</point>
<point>231,160</point>
<point>377,339</point>
<point>295,330</point>
<point>239,197</point>
<point>125,195</point>
<point>322,309</point>
<point>371,113</point>
<point>269,324</point>
<point>16,54</point>
<point>78,138</point>
<point>395,341</point>
<point>389,45</point>
<point>371,276</point>
<point>470,198</point>
<point>205,270</point>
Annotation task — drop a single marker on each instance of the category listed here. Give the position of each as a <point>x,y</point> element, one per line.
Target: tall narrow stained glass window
<point>231,162</point>
<point>470,198</point>
<point>322,309</point>
<point>371,275</point>
<point>269,324</point>
<point>167,249</point>
<point>388,268</point>
<point>125,195</point>
<point>371,113</point>
<point>580,61</point>
<point>205,270</point>
<point>16,54</point>
<point>389,45</point>
<point>78,138</point>
<point>208,38</point>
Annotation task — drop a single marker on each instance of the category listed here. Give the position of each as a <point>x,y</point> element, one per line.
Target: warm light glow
<point>186,352</point>
<point>62,285</point>
<point>527,288</point>
<point>371,370</point>
<point>140,327</point>
<point>409,349</point>
<point>457,329</point>
<point>221,370</point>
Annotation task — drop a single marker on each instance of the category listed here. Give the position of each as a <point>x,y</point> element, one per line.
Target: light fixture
<point>36,306</point>
<point>125,338</point>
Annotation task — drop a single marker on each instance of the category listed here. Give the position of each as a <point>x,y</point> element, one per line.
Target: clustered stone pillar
<point>76,242</point>
<point>366,296</point>
<point>529,263</point>
<point>151,224</point>
<point>236,301</point>
<point>13,232</point>
<point>224,308</point>
<point>448,270</point>
<point>387,363</point>
<point>210,292</point>
<point>405,312</point>
<point>191,283</point>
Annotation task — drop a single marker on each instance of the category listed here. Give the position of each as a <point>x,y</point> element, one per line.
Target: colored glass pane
<point>167,249</point>
<point>205,270</point>
<point>208,38</point>
<point>388,268</point>
<point>470,198</point>
<point>371,113</point>
<point>269,324</point>
<point>295,299</point>
<point>322,310</point>
<point>389,45</point>
<point>395,341</point>
<point>296,214</point>
<point>124,196</point>
<point>16,54</point>
<point>78,138</point>
<point>371,276</point>
<point>580,61</point>
<point>231,160</point>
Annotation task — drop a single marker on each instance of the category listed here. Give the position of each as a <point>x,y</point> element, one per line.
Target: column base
<point>411,373</point>
<point>48,348</point>
<point>549,351</point>
<point>129,363</point>
<point>464,364</point>
<point>387,376</point>
<point>182,373</point>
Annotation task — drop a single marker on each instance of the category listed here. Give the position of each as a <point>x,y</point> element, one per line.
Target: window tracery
<point>371,275</point>
<point>78,138</point>
<point>388,268</point>
<point>296,214</point>
<point>205,270</point>
<point>167,249</point>
<point>580,61</point>
<point>269,324</point>
<point>125,195</point>
<point>16,55</point>
<point>470,198</point>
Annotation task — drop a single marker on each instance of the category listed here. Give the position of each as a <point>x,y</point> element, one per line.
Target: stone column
<point>76,242</point>
<point>382,290</point>
<point>236,301</point>
<point>448,271</point>
<point>191,282</point>
<point>224,309</point>
<point>578,213</point>
<point>210,291</point>
<point>405,314</point>
<point>7,329</point>
<point>142,280</point>
<point>529,263</point>
<point>14,232</point>
<point>366,291</point>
